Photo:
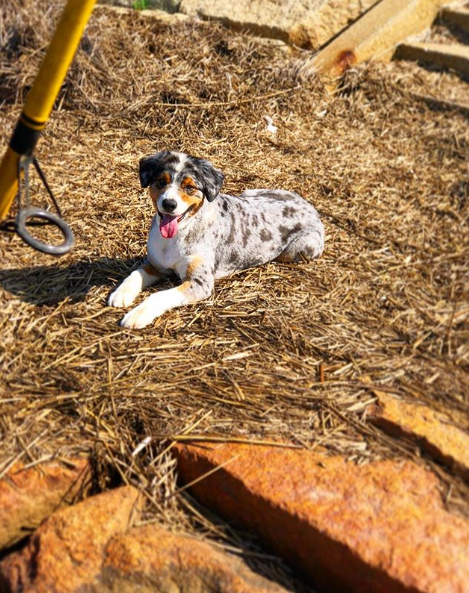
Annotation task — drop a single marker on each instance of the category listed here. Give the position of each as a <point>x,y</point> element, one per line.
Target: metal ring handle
<point>62,248</point>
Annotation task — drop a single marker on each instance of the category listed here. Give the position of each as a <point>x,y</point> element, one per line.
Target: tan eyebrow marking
<point>164,176</point>
<point>190,199</point>
<point>188,181</point>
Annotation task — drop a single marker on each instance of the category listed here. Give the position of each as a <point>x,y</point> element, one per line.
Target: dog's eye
<point>160,183</point>
<point>190,189</point>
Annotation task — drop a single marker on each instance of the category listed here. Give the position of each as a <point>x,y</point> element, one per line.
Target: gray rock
<point>305,23</point>
<point>267,18</point>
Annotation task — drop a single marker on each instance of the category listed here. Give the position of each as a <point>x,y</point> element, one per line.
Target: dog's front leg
<point>128,291</point>
<point>197,285</point>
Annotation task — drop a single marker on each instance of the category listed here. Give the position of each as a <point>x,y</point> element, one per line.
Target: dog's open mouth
<point>169,224</point>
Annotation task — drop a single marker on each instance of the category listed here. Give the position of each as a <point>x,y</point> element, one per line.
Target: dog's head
<point>178,185</point>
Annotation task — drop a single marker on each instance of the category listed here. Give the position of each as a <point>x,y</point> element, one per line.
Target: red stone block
<point>375,528</point>
<point>66,551</point>
<point>173,562</point>
<point>28,496</point>
<point>430,430</point>
<point>92,547</point>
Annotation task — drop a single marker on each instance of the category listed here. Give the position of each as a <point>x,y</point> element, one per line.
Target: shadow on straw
<point>47,285</point>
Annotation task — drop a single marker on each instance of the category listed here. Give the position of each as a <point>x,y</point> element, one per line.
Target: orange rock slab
<point>92,547</point>
<point>28,496</point>
<point>429,429</point>
<point>66,551</point>
<point>165,562</point>
<point>375,528</point>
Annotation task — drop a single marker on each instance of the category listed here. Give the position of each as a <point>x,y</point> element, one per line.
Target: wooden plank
<point>458,17</point>
<point>455,57</point>
<point>375,35</point>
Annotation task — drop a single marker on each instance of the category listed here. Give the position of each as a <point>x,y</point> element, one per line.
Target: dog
<point>202,234</point>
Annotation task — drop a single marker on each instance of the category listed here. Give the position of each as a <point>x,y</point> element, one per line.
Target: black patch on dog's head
<point>151,166</point>
<point>209,178</point>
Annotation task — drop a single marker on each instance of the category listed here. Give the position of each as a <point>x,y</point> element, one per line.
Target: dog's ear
<point>151,166</point>
<point>212,179</point>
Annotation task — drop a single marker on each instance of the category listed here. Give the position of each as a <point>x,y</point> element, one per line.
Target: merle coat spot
<point>285,232</point>
<point>265,235</point>
<point>232,234</point>
<point>191,236</point>
<point>246,235</point>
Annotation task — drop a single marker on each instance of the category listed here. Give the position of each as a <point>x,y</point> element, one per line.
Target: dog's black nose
<point>169,205</point>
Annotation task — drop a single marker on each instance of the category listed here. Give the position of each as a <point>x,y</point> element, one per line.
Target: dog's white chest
<point>162,253</point>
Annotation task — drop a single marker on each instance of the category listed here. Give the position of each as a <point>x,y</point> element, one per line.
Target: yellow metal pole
<point>42,95</point>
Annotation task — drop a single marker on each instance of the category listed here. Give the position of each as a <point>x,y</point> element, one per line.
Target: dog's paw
<point>139,317</point>
<point>125,295</point>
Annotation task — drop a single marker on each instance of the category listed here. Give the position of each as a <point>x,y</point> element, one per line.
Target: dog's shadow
<point>50,285</point>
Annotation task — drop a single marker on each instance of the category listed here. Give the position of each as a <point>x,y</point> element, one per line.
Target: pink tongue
<point>168,226</point>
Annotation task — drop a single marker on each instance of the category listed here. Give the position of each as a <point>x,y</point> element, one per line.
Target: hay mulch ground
<point>282,352</point>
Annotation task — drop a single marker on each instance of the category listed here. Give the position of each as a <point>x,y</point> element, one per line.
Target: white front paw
<point>126,294</point>
<point>139,317</point>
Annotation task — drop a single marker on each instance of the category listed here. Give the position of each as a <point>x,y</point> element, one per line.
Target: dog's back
<point>260,226</point>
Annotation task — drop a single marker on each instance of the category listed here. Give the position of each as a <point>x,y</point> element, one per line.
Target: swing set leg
<point>42,96</point>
